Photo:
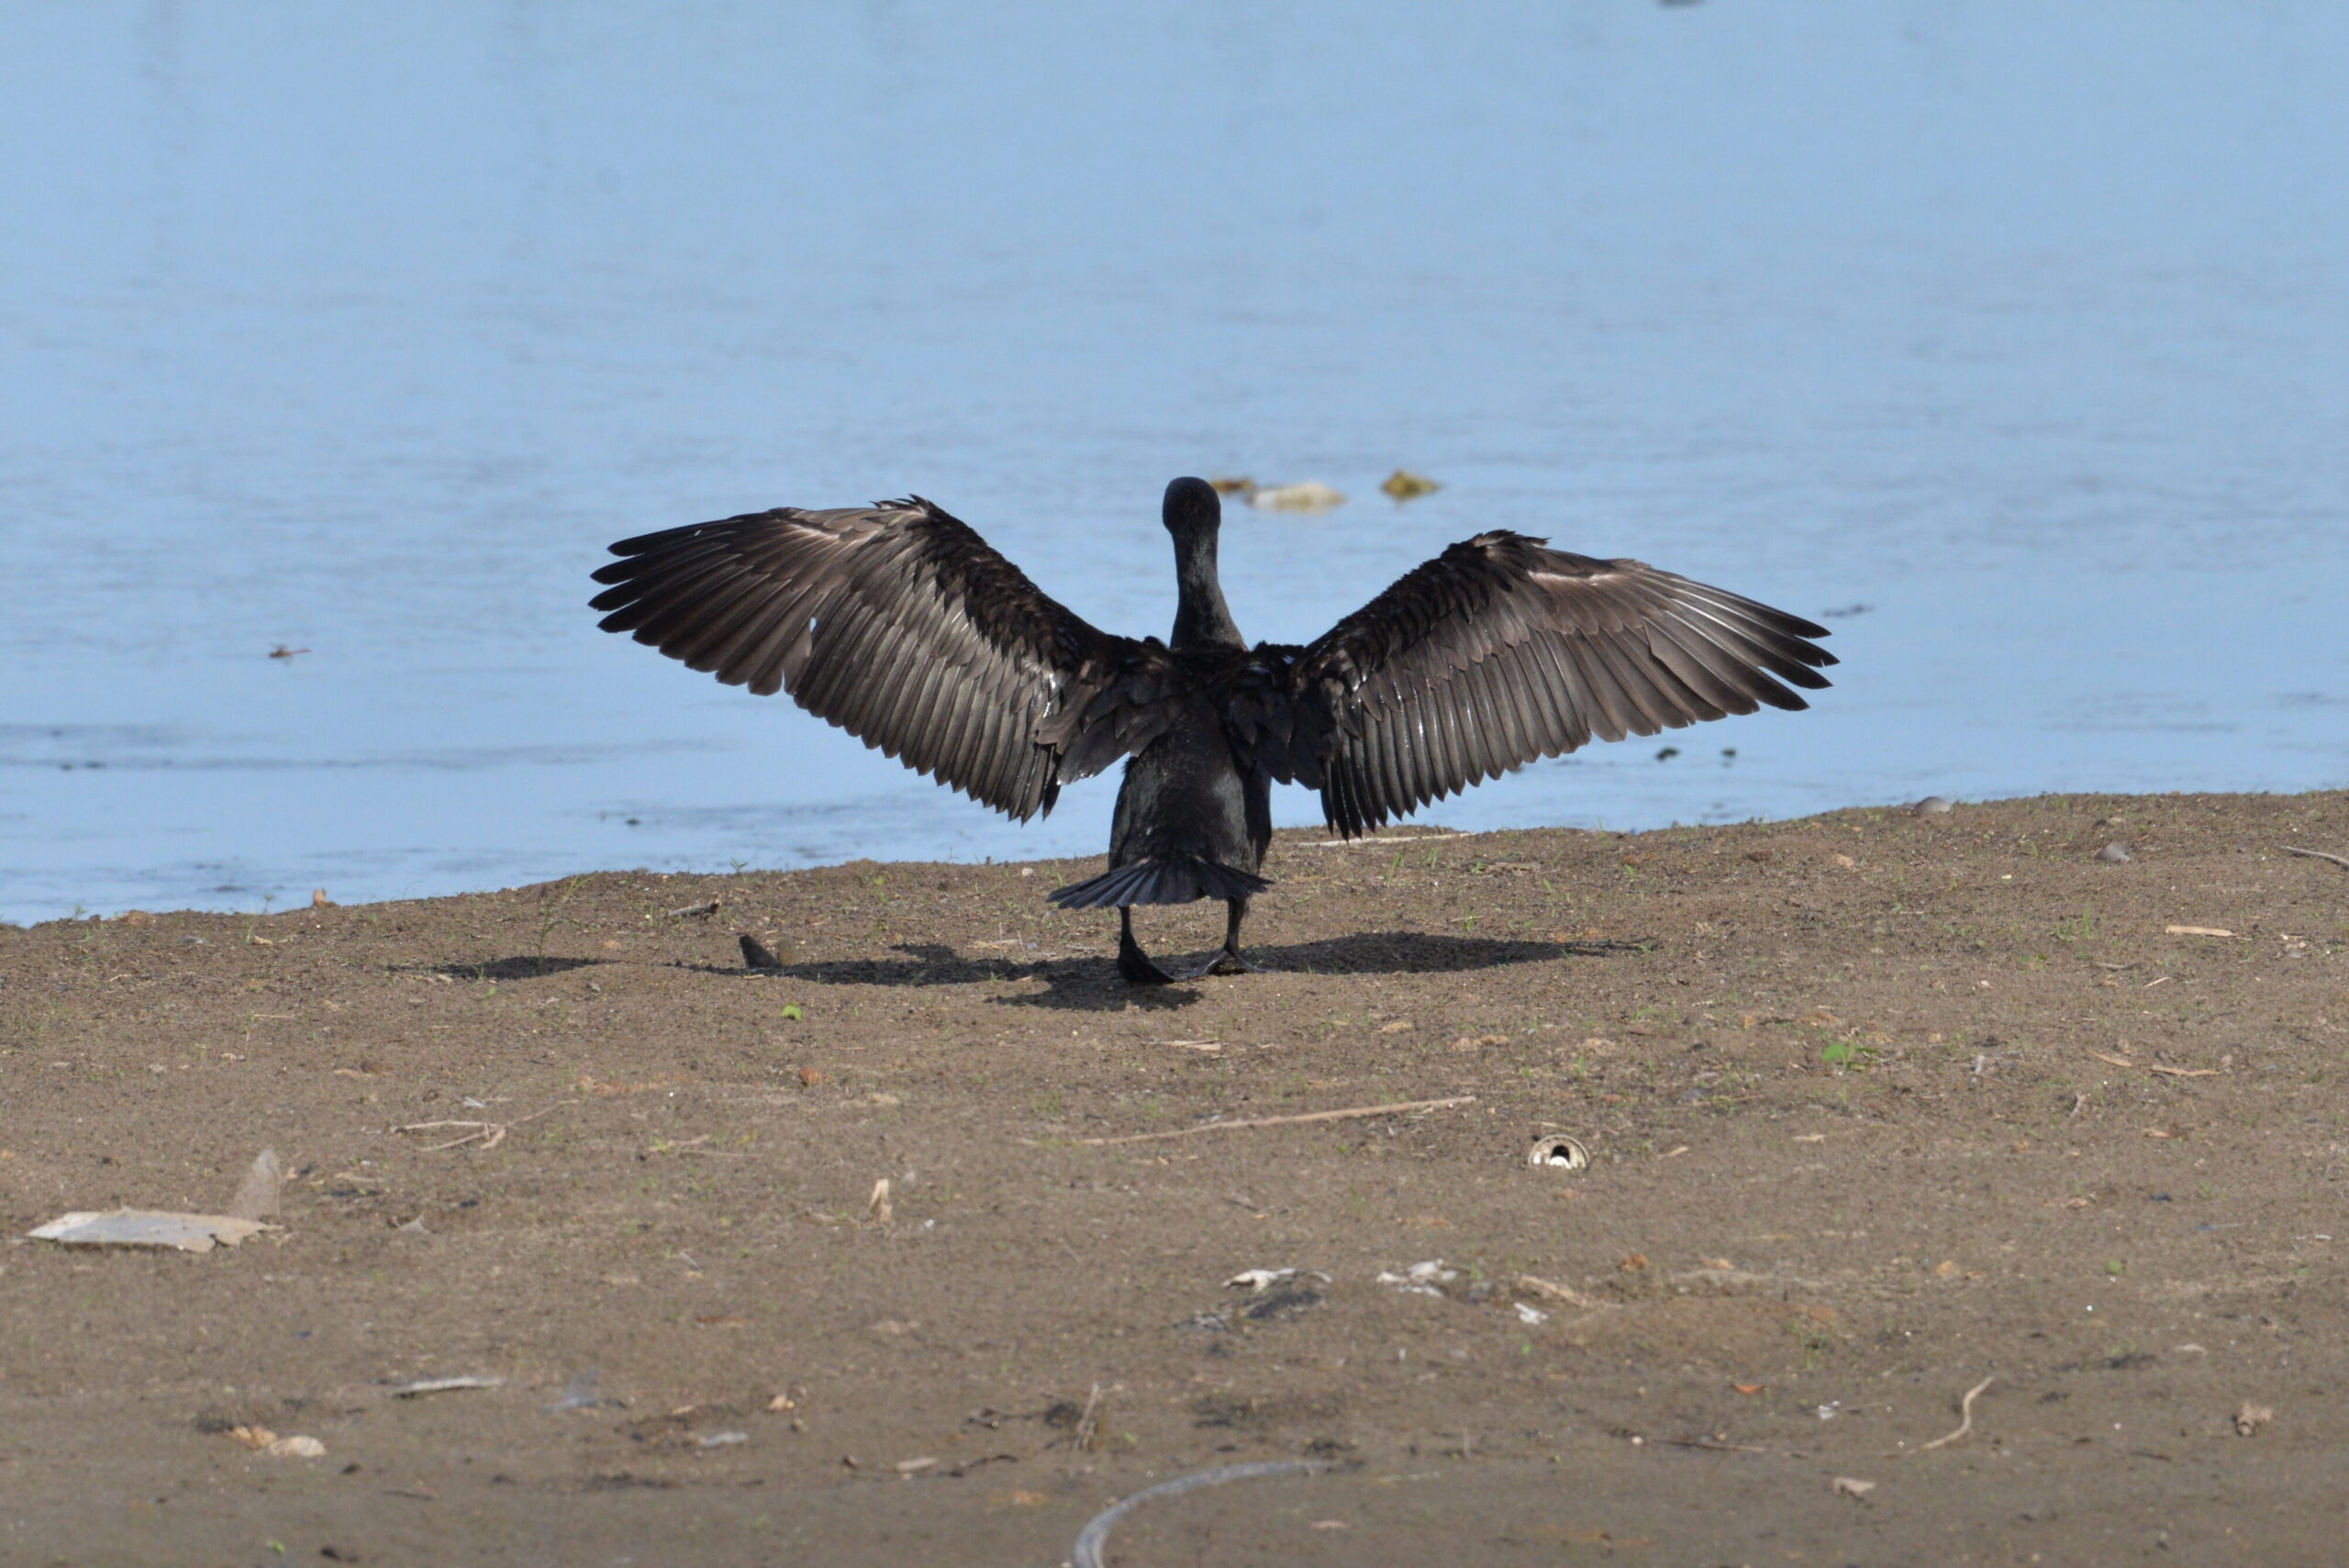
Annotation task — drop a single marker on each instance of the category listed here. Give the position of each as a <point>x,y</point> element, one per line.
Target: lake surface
<point>2010,335</point>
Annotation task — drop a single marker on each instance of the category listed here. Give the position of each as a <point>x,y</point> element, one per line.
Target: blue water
<point>362,330</point>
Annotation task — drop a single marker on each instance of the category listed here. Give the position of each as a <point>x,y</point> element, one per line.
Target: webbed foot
<point>1139,970</point>
<point>1225,962</point>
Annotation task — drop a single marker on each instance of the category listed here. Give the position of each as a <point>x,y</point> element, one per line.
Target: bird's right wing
<point>899,624</point>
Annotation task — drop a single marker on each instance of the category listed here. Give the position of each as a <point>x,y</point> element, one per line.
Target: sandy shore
<point>1880,1108</point>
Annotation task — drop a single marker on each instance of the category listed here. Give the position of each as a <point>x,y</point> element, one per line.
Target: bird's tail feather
<point>1169,879</point>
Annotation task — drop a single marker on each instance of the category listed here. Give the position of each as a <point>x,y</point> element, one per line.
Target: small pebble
<point>1933,805</point>
<point>2113,854</point>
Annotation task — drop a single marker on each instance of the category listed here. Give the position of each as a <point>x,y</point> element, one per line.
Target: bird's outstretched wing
<point>901,625</point>
<point>1501,650</point>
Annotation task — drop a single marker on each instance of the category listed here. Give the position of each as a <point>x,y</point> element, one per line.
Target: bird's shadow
<point>524,968</point>
<point>1091,985</point>
<point>1094,984</point>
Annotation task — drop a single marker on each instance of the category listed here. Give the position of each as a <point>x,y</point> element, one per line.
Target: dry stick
<point>2341,861</point>
<point>1347,1115</point>
<point>493,1133</point>
<point>1965,1412</point>
<point>1370,842</point>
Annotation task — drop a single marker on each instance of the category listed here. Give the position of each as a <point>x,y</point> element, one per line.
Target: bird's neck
<point>1201,617</point>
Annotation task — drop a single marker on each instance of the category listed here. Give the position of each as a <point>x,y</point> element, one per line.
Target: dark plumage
<point>902,625</point>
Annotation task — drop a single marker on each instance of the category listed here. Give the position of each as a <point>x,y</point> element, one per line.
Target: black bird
<point>902,625</point>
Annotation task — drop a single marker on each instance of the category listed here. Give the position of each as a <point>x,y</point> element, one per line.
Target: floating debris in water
<point>1405,485</point>
<point>1311,496</point>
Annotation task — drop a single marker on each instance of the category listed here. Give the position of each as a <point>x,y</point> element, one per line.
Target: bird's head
<point>1193,510</point>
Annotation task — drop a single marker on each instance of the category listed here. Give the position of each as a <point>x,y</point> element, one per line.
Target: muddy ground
<point>1879,1107</point>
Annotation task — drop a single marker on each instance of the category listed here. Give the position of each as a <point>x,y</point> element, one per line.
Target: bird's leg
<point>1132,962</point>
<point>1229,961</point>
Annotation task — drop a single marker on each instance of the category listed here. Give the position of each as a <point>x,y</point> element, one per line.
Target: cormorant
<point>902,625</point>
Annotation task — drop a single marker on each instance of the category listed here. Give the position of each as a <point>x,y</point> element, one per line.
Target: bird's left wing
<point>1501,650</point>
<point>902,625</point>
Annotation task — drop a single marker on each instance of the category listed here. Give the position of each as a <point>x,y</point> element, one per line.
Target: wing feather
<point>899,624</point>
<point>1502,651</point>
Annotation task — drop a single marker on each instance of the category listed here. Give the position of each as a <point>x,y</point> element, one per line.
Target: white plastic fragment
<point>1529,1314</point>
<point>1420,1279</point>
<point>580,1393</point>
<point>256,1194</point>
<point>1257,1280</point>
<point>149,1228</point>
<point>444,1386</point>
<point>260,1439</point>
<point>1558,1153</point>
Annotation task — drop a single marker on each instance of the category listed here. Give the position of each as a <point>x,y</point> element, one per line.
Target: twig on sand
<point>1566,1293</point>
<point>1351,1113</point>
<point>1090,1422</point>
<point>489,1134</point>
<point>1965,1413</point>
<point>1379,841</point>
<point>2341,861</point>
